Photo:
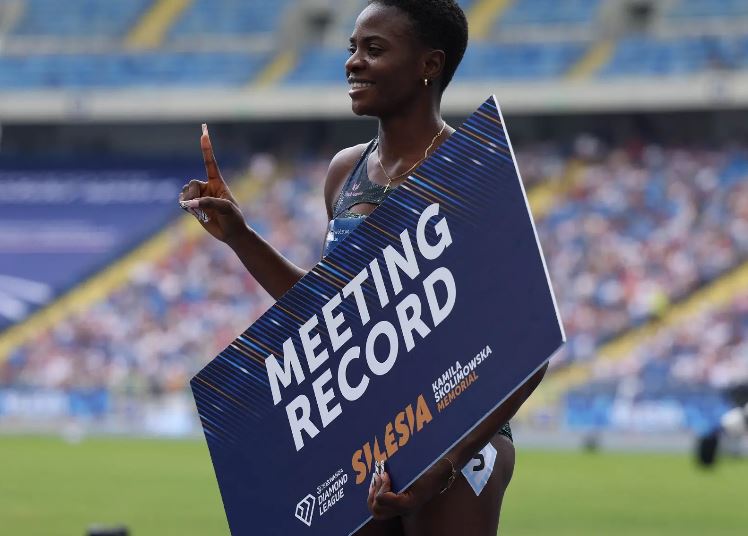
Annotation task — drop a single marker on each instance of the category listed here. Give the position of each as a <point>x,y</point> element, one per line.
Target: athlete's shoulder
<point>340,168</point>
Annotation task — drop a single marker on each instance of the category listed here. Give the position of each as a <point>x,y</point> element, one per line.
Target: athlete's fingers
<point>211,166</point>
<point>391,504</point>
<point>386,509</point>
<point>383,495</point>
<point>376,484</point>
<point>372,490</point>
<point>385,484</point>
<point>385,503</point>
<point>197,188</point>
<point>192,190</point>
<point>222,206</point>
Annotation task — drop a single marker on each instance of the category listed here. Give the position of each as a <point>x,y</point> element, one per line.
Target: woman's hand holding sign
<point>385,504</point>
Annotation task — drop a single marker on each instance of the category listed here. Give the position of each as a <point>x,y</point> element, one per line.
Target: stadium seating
<point>645,56</point>
<point>318,66</point>
<point>53,71</point>
<point>80,18</point>
<point>638,232</point>
<point>633,233</point>
<point>524,61</point>
<point>229,18</point>
<point>233,40</point>
<point>549,12</point>
<point>683,372</point>
<point>177,317</point>
<point>640,227</point>
<point>700,9</point>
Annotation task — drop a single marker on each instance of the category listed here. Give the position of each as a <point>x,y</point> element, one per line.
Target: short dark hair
<point>440,24</point>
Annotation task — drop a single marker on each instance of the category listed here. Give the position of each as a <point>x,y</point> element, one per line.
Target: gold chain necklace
<point>414,166</point>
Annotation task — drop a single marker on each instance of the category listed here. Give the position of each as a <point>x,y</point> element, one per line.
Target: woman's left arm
<point>384,503</point>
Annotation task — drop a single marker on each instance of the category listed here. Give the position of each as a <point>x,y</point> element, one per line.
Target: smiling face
<point>387,65</point>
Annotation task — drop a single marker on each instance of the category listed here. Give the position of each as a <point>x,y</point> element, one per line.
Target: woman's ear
<point>433,64</point>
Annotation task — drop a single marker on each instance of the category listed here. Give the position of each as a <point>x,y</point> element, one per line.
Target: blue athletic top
<point>359,189</point>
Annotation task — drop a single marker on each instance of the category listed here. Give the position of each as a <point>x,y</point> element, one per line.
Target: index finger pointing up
<point>211,166</point>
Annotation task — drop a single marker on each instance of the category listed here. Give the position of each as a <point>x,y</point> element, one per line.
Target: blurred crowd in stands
<point>173,315</point>
<point>711,348</point>
<point>640,228</point>
<point>633,230</point>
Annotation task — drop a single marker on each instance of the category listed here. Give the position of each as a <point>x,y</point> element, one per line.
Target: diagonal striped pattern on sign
<point>232,392</point>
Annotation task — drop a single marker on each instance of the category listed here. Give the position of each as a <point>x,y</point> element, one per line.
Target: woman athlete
<point>403,54</point>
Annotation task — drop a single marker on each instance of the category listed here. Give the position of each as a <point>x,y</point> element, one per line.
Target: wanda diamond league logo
<point>305,510</point>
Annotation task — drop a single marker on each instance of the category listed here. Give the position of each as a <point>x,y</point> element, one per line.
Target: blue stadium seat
<point>698,9</point>
<point>549,12</point>
<point>79,18</point>
<point>646,56</point>
<point>52,71</point>
<point>518,61</point>
<point>229,18</point>
<point>319,66</point>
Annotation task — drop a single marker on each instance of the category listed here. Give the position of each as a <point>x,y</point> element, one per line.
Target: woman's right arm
<point>268,266</point>
<point>273,271</point>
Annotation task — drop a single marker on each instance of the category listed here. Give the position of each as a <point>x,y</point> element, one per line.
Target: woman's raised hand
<point>222,217</point>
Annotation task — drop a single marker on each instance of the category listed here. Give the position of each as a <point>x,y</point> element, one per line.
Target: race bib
<point>479,468</point>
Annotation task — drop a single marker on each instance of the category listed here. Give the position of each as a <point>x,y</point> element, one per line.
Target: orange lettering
<point>389,440</point>
<point>369,460</point>
<point>402,429</point>
<point>358,466</point>
<point>423,414</point>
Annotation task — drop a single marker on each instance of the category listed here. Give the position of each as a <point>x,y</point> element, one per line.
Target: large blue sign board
<point>401,340</point>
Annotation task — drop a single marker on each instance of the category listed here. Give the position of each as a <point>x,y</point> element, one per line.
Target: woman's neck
<point>404,138</point>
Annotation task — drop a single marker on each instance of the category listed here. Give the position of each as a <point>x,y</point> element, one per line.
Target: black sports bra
<point>359,188</point>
